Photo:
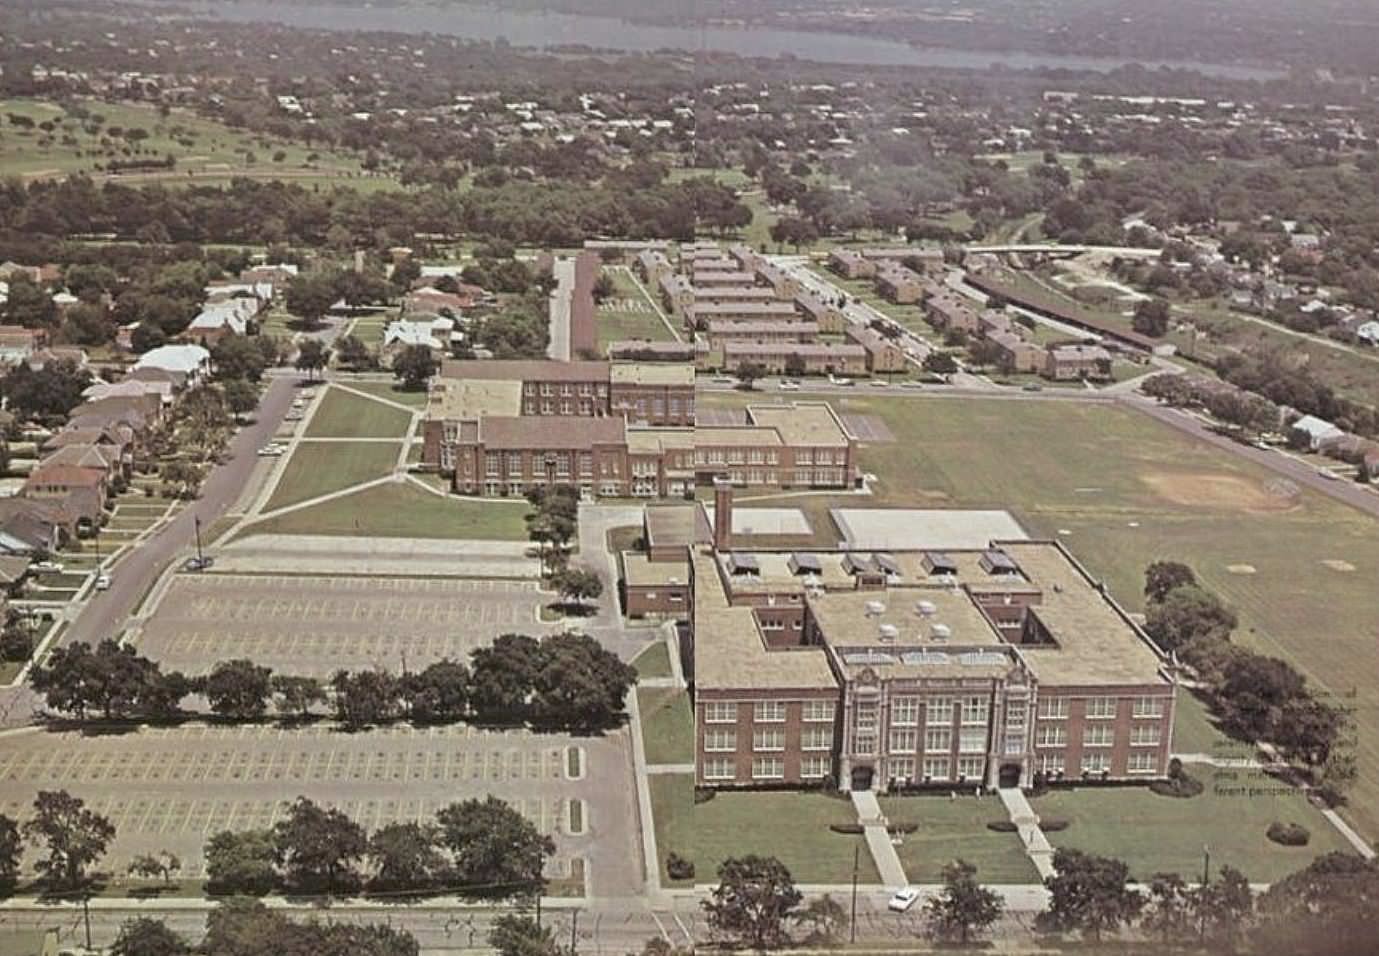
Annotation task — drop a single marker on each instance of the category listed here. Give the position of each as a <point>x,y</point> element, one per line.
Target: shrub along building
<point>1001,665</point>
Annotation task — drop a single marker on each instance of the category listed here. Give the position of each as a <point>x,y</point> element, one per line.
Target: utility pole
<point>1206,878</point>
<point>196,524</point>
<point>86,914</point>
<point>856,865</point>
<point>574,931</point>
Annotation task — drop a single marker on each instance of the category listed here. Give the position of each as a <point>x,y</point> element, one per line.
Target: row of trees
<point>1312,912</point>
<point>1255,697</point>
<point>566,681</point>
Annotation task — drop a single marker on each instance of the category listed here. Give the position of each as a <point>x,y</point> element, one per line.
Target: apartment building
<point>898,284</point>
<point>797,358</point>
<point>828,315</point>
<point>851,264</point>
<point>883,355</point>
<point>1003,665</point>
<point>698,315</point>
<point>719,331</point>
<point>1066,363</point>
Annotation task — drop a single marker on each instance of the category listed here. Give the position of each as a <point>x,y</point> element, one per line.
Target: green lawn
<point>952,828</point>
<point>342,415</point>
<point>667,725</point>
<point>654,661</point>
<point>319,468</point>
<point>791,826</point>
<point>404,511</point>
<point>628,313</point>
<point>389,391</point>
<point>1155,834</point>
<point>206,152</point>
<point>1121,490</point>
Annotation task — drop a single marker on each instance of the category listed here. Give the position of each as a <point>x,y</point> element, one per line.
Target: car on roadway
<point>271,451</point>
<point>839,380</point>
<point>1328,474</point>
<point>911,384</point>
<point>903,899</point>
<point>788,386</point>
<point>102,582</point>
<point>47,567</point>
<point>1033,387</point>
<point>724,380</point>
<point>880,383</point>
<point>198,564</point>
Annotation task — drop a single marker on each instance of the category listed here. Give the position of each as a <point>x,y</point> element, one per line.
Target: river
<point>544,29</point>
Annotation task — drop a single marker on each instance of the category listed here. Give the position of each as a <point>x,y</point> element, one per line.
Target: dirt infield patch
<point>1336,564</point>
<point>1218,490</point>
<point>1241,568</point>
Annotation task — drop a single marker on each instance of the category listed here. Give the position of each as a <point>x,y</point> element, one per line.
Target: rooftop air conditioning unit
<point>941,632</point>
<point>889,632</point>
<point>926,608</point>
<point>875,608</point>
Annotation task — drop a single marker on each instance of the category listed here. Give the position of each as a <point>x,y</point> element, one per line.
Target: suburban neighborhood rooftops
<point>175,358</point>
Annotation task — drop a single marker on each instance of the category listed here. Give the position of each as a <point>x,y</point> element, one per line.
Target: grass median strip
<point>403,511</point>
<point>343,415</point>
<point>319,469</point>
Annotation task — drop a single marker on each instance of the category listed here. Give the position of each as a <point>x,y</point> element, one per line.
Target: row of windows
<point>1141,762</point>
<point>1100,708</point>
<point>767,768</point>
<point>1098,735</point>
<point>768,711</point>
<point>936,769</point>
<point>975,711</point>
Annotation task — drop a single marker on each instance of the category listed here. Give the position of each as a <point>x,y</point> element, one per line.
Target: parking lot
<point>317,625</point>
<point>171,788</point>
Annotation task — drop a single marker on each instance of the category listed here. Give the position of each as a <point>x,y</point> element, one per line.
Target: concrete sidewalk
<point>329,554</point>
<point>1037,846</point>
<point>878,839</point>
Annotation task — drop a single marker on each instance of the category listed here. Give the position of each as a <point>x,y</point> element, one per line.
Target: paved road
<point>561,298</point>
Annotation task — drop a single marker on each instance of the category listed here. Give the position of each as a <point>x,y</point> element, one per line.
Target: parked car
<point>271,451</point>
<point>46,567</point>
<point>788,386</point>
<point>102,582</point>
<point>903,899</point>
<point>1033,387</point>
<point>880,383</point>
<point>839,380</point>
<point>912,384</point>
<point>198,564</point>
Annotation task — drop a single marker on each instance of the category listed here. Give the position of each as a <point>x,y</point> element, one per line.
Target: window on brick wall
<point>769,711</point>
<point>720,712</point>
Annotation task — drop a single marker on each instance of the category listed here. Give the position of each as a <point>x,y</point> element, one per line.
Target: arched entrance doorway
<point>861,778</point>
<point>1010,775</point>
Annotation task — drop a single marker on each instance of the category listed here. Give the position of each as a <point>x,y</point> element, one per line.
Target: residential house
<point>192,362</point>
<point>17,343</point>
<point>1311,431</point>
<point>1066,363</point>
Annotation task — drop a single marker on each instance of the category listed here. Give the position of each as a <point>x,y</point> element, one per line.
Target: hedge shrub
<point>1288,834</point>
<point>678,867</point>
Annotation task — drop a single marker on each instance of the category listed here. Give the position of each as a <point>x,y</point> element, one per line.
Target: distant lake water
<point>544,29</point>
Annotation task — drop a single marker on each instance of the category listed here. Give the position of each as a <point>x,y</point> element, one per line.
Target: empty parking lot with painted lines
<point>316,625</point>
<point>171,788</point>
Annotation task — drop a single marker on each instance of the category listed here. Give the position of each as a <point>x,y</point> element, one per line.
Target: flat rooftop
<point>640,571</point>
<point>670,525</point>
<point>451,399</point>
<point>802,423</point>
<point>651,373</point>
<point>937,528</point>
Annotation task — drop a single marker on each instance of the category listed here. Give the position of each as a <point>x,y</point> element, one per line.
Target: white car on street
<point>271,451</point>
<point>102,582</point>
<point>903,899</point>
<point>788,386</point>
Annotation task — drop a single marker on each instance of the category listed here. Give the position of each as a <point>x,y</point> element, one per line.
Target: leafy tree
<point>146,936</point>
<point>1170,901</point>
<point>494,850</point>
<point>320,848</point>
<point>240,356</point>
<point>1223,907</point>
<point>754,898</point>
<point>405,857</point>
<point>438,693</point>
<point>243,862</point>
<point>1325,909</point>
<point>1152,317</point>
<point>603,288</point>
<point>11,853</point>
<point>312,357</point>
<point>503,677</point>
<point>239,688</point>
<point>578,585</point>
<point>794,365</point>
<point>87,324</point>
<point>29,304</point>
<point>1253,692</point>
<point>156,866</point>
<point>579,684</point>
<point>1163,576</point>
<point>1091,894</point>
<point>404,274</point>
<point>361,288</point>
<point>1186,614</point>
<point>939,363</point>
<point>74,837</point>
<point>49,393</point>
<point>147,336</point>
<point>748,373</point>
<point>825,918</point>
<point>241,397</point>
<point>414,366</point>
<point>963,907</point>
<point>113,679</point>
<point>309,297</point>
<point>516,935</point>
<point>248,928</point>
<point>353,354</point>
<point>365,697</point>
<point>295,695</point>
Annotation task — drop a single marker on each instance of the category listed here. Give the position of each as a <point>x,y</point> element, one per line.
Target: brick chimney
<point>722,514</point>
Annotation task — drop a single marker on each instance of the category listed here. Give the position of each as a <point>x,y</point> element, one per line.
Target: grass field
<point>1121,491</point>
<point>342,415</point>
<point>404,511</point>
<point>628,314</point>
<point>316,469</point>
<point>953,828</point>
<point>391,392</point>
<point>791,826</point>
<point>1157,834</point>
<point>653,662</point>
<point>667,725</point>
<point>206,152</point>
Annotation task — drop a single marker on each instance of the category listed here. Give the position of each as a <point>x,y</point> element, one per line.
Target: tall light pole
<point>196,524</point>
